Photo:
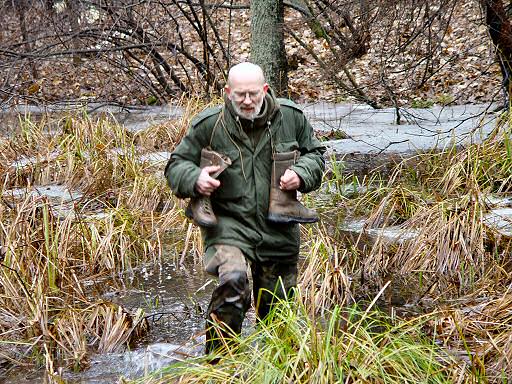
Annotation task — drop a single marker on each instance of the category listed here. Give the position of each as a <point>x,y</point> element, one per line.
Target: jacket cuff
<point>300,172</point>
<point>190,184</point>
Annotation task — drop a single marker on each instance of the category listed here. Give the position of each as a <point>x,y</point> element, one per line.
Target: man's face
<point>246,95</point>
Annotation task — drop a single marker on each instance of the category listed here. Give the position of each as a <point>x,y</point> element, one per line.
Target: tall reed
<point>49,249</point>
<point>348,345</point>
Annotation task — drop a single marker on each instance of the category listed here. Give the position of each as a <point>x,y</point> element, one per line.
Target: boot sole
<point>205,224</point>
<point>279,219</point>
<point>190,215</point>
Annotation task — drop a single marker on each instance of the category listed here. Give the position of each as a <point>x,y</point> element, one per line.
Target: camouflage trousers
<point>232,298</point>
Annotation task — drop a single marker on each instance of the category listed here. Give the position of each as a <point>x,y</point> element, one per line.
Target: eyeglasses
<point>240,96</point>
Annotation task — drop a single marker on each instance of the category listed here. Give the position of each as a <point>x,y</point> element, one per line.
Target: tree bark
<point>267,43</point>
<point>73,8</point>
<point>500,30</point>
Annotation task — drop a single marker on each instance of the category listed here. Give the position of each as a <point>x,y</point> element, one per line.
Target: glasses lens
<point>240,96</point>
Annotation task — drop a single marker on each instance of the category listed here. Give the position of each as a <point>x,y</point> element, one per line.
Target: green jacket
<point>241,201</point>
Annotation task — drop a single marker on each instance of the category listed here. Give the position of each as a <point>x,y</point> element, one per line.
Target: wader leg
<point>267,285</point>
<point>230,300</point>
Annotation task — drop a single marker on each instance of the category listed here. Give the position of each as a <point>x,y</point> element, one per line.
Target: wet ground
<point>175,297</point>
<point>363,137</point>
<point>348,128</point>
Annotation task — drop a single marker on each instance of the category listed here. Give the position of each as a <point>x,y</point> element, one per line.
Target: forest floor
<point>462,71</point>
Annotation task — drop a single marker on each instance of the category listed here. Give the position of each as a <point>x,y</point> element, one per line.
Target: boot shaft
<point>281,162</point>
<point>283,205</point>
<point>200,208</point>
<point>210,157</point>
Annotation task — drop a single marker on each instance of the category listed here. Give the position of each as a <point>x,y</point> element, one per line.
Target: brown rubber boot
<point>200,209</point>
<point>284,206</point>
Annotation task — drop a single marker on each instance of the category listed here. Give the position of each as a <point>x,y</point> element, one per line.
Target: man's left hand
<point>289,181</point>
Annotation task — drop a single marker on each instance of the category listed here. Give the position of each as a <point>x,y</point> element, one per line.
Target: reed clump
<point>348,344</point>
<point>441,206</point>
<point>110,220</point>
<point>434,228</point>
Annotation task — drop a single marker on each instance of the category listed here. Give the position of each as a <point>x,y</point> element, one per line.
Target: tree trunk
<point>73,7</point>
<point>267,42</point>
<point>500,30</point>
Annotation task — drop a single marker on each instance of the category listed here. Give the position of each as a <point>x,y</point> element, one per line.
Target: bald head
<point>246,88</point>
<point>245,72</point>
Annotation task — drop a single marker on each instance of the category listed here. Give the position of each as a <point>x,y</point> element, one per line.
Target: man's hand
<point>205,184</point>
<point>289,181</point>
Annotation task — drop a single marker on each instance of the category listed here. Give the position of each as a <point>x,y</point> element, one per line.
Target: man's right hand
<point>205,184</point>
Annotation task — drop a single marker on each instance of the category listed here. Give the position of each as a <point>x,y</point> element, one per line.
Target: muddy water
<point>174,298</point>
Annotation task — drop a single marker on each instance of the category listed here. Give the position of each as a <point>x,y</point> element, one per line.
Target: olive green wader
<point>232,297</point>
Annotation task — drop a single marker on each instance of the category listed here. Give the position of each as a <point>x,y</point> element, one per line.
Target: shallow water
<point>174,298</point>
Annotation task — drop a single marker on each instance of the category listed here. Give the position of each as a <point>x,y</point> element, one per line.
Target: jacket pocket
<point>287,146</point>
<point>232,183</point>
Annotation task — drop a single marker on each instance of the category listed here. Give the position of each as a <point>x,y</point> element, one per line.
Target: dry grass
<point>443,242</point>
<point>114,225</point>
<point>448,239</point>
<point>482,332</point>
<point>47,312</point>
<point>442,207</point>
<point>348,345</point>
<point>324,281</point>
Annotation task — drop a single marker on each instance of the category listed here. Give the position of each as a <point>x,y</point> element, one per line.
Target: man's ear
<point>227,90</point>
<point>265,87</point>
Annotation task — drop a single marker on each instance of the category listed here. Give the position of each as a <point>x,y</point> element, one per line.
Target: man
<point>242,164</point>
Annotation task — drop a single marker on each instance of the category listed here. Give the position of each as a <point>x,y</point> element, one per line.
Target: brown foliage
<point>384,52</point>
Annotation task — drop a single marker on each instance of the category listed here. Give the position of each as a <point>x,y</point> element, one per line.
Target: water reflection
<point>175,299</point>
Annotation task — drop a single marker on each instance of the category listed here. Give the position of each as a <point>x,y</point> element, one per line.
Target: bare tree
<point>406,38</point>
<point>22,7</point>
<point>151,47</point>
<point>144,51</point>
<point>345,27</point>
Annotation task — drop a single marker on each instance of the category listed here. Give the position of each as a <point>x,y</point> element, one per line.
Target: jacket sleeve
<point>182,169</point>
<point>311,164</point>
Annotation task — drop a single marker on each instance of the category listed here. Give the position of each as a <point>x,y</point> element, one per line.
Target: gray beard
<point>250,116</point>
